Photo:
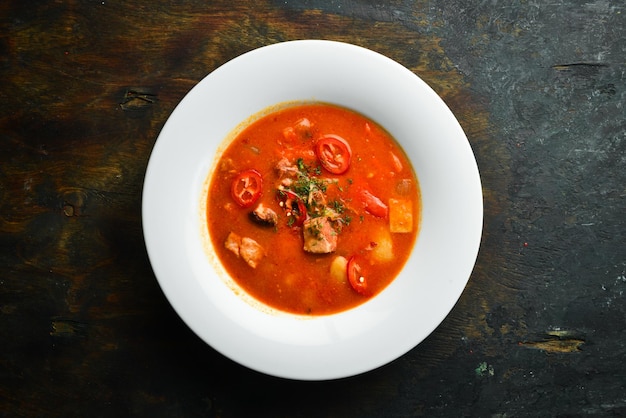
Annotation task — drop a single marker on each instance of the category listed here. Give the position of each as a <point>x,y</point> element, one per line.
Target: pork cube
<point>319,236</point>
<point>247,248</point>
<point>232,243</point>
<point>251,252</point>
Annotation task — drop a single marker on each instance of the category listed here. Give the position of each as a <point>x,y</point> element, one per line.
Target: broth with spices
<point>313,209</point>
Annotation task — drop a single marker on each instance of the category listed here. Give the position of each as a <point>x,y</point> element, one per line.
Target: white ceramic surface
<point>374,333</point>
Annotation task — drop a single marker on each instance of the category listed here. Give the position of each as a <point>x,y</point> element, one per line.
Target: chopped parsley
<point>306,181</point>
<point>311,189</point>
<point>337,206</point>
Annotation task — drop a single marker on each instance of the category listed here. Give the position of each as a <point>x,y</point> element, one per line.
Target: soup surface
<point>313,209</point>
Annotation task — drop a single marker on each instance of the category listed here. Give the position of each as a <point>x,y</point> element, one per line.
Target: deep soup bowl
<point>317,347</point>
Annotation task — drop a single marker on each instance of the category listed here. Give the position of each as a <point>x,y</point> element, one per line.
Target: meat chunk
<point>251,252</point>
<point>303,127</point>
<point>264,216</point>
<point>317,199</point>
<point>319,236</point>
<point>246,248</point>
<point>232,243</point>
<point>301,130</point>
<point>285,168</point>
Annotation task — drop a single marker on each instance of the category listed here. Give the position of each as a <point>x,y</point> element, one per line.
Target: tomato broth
<point>313,209</point>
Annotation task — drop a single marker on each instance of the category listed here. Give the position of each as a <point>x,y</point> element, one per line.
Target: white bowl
<point>351,342</point>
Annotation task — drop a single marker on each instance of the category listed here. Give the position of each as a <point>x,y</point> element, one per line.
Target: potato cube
<point>400,215</point>
<point>382,251</point>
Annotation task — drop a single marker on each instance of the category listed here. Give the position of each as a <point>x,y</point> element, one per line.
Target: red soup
<point>313,209</point>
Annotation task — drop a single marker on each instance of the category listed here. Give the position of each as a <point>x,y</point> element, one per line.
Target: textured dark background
<point>540,90</point>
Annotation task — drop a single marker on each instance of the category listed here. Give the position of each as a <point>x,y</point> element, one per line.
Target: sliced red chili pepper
<point>356,277</point>
<point>294,206</point>
<point>334,153</point>
<point>246,188</point>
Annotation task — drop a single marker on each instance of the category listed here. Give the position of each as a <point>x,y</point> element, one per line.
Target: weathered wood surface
<point>540,91</point>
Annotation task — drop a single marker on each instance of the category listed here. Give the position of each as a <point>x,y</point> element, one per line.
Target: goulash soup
<point>313,209</point>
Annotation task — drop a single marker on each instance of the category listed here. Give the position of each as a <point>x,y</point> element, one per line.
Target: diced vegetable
<point>372,204</point>
<point>397,164</point>
<point>400,215</point>
<point>338,269</point>
<point>383,250</point>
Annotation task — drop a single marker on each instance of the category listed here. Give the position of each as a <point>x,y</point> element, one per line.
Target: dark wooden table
<point>539,88</point>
